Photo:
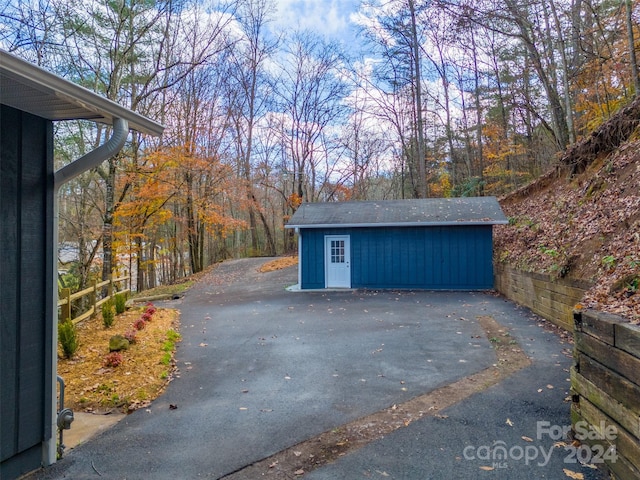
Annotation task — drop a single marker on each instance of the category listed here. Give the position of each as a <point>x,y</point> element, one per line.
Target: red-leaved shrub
<point>130,335</point>
<point>112,359</point>
<point>150,310</point>
<point>139,324</point>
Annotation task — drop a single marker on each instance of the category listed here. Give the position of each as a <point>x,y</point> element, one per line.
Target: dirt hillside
<point>585,226</point>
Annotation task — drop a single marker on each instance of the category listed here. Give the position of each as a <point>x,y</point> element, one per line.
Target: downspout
<point>67,173</point>
<point>94,157</point>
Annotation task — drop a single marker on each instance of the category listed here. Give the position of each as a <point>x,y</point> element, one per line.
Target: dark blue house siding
<point>26,239</point>
<point>438,258</point>
<point>312,255</point>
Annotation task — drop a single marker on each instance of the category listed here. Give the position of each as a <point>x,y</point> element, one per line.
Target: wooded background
<point>442,98</point>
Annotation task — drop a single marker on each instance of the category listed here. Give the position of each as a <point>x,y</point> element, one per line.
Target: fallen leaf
<point>574,475</point>
<point>203,345</point>
<point>173,406</point>
<point>549,386</point>
<point>486,469</point>
<point>243,408</point>
<point>299,472</point>
<point>509,422</point>
<point>297,454</point>
<point>539,390</point>
<point>527,439</point>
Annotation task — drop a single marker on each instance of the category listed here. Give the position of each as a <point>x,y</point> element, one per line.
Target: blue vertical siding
<point>26,276</point>
<point>438,258</point>
<point>312,256</point>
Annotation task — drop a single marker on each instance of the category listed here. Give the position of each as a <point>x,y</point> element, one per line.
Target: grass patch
<point>166,359</point>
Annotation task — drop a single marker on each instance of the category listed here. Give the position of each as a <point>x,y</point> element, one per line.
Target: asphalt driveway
<point>262,369</point>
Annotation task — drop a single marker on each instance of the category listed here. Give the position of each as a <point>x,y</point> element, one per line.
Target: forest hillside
<point>582,219</point>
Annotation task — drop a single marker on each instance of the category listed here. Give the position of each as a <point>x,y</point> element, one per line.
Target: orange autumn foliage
<point>172,183</point>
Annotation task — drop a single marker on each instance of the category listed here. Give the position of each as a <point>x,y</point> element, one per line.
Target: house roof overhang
<point>29,88</point>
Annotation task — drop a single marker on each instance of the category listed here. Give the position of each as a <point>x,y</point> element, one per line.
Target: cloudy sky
<point>329,18</point>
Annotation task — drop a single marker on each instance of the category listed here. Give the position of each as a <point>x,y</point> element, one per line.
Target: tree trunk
<point>479,140</point>
<point>568,106</point>
<point>192,228</point>
<point>107,225</point>
<point>561,130</point>
<point>420,147</point>
<point>139,264</point>
<point>632,49</point>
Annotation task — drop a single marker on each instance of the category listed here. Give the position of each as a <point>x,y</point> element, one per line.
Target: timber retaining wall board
<point>605,382</point>
<point>549,297</point>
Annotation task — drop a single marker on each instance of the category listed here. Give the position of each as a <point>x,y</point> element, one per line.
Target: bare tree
<point>248,100</point>
<point>394,30</point>
<point>309,91</point>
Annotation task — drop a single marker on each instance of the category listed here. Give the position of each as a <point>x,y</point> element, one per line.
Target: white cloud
<point>327,18</point>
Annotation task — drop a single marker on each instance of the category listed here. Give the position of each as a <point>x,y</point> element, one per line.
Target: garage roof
<point>29,88</point>
<point>404,213</point>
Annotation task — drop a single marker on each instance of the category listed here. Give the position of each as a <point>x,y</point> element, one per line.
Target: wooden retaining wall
<point>551,298</point>
<point>605,382</point>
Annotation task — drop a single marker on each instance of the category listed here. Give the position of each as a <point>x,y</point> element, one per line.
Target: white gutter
<point>88,161</point>
<point>32,89</point>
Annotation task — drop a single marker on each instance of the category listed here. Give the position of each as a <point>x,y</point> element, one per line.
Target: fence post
<point>110,287</point>
<point>94,296</point>
<point>65,310</point>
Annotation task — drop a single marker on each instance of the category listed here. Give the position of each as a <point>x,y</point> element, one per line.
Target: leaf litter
<point>585,228</point>
<point>141,377</point>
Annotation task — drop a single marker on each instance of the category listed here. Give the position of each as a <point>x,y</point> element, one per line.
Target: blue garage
<point>433,243</point>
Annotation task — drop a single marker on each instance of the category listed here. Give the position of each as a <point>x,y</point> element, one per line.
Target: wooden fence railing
<point>66,298</point>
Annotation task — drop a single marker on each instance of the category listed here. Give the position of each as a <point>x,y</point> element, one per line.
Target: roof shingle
<point>414,212</point>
